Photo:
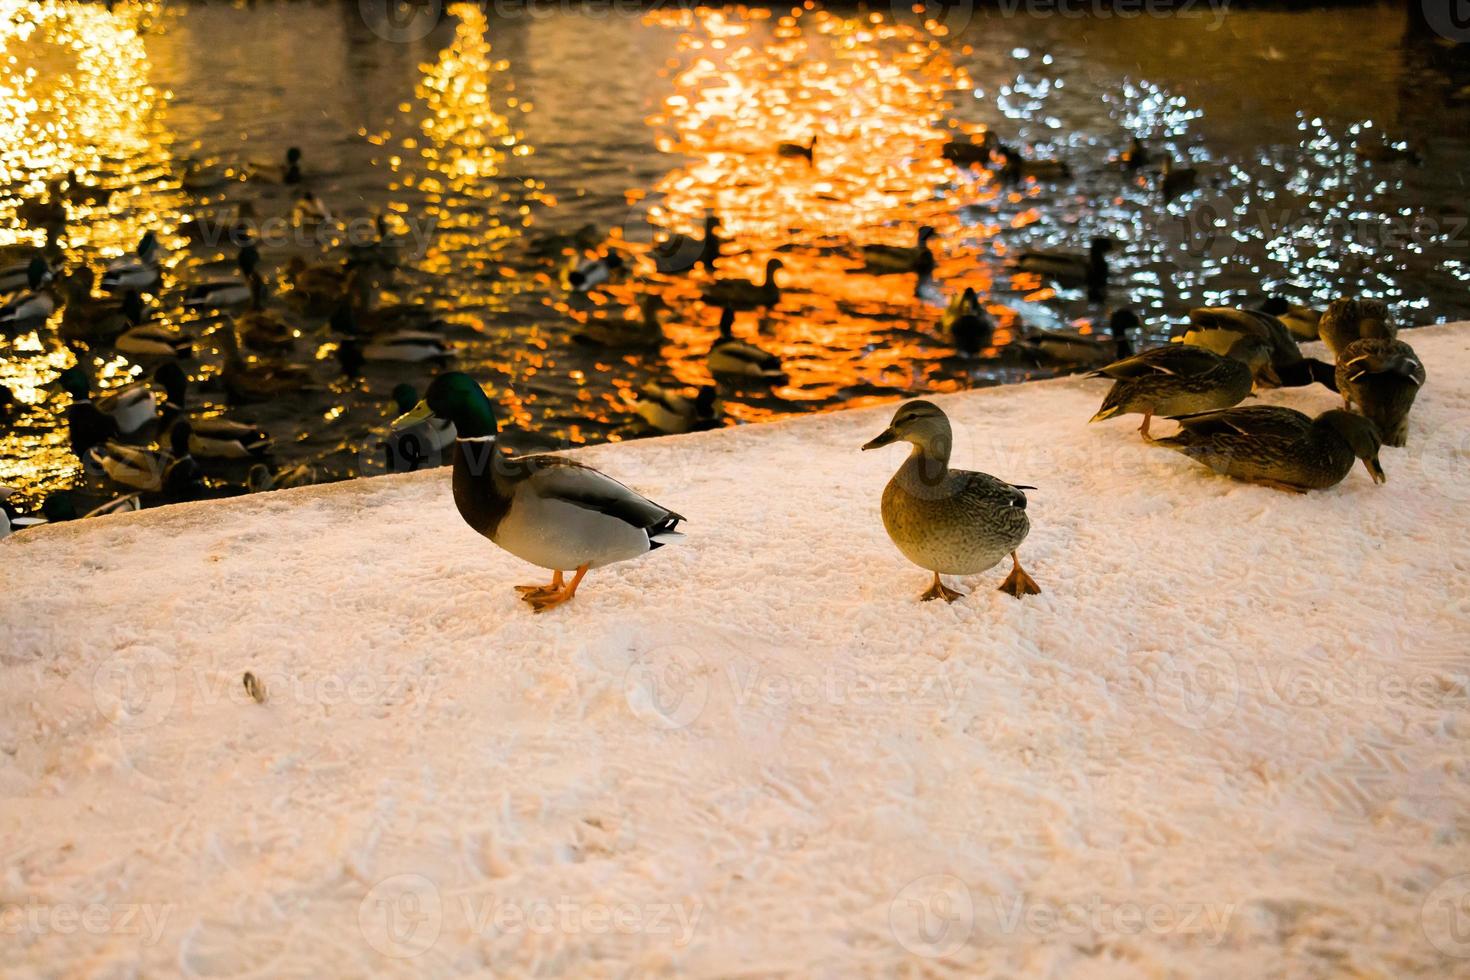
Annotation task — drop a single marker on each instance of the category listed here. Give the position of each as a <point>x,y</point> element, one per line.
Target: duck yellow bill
<point>881,439</point>
<point>414,416</point>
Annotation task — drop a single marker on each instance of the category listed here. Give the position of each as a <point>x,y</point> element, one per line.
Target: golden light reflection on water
<point>79,103</point>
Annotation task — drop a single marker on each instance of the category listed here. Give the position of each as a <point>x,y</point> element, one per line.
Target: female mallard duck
<point>1068,268</point>
<point>1279,447</point>
<point>130,407</point>
<point>803,150</point>
<point>641,330</point>
<point>1346,320</point>
<point>1017,168</point>
<point>742,294</point>
<point>1219,327</point>
<point>680,253</point>
<point>1302,321</point>
<point>595,272</point>
<point>547,510</point>
<point>139,271</point>
<point>175,473</point>
<point>261,329</point>
<point>1174,181</point>
<point>1381,378</point>
<point>319,288</point>
<point>1073,349</point>
<point>951,522</point>
<point>259,380</point>
<point>412,447</point>
<point>1178,380</point>
<point>210,438</point>
<point>967,324</point>
<point>967,152</point>
<point>219,294</point>
<point>731,356</point>
<point>883,259</point>
<point>34,306</point>
<point>87,320</point>
<point>673,413</point>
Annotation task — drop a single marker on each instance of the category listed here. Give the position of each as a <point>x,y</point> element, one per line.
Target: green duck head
<point>60,506</point>
<point>175,383</point>
<point>921,423</point>
<point>74,382</point>
<point>1359,433</point>
<point>458,398</point>
<point>405,396</point>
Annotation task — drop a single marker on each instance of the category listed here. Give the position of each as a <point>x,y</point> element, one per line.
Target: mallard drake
<point>34,306</point>
<point>882,259</point>
<point>140,270</point>
<point>1017,168</point>
<point>87,425</point>
<point>1175,380</point>
<point>595,272</point>
<point>174,472</point>
<point>209,438</point>
<point>129,407</point>
<point>742,294</point>
<point>219,294</point>
<point>404,346</point>
<point>411,447</point>
<point>674,413</point>
<point>680,253</point>
<point>1069,268</point>
<point>1174,181</point>
<point>1219,327</point>
<point>1302,321</point>
<point>641,330</point>
<point>261,478</point>
<point>1279,447</point>
<point>798,149</point>
<point>731,356</point>
<point>1346,320</point>
<point>1070,348</point>
<point>1381,378</point>
<point>967,324</point>
<point>967,152</point>
<point>154,340</point>
<point>951,522</point>
<point>547,510</point>
<point>18,275</point>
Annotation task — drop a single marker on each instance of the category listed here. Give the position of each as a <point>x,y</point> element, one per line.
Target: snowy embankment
<point>1228,739</point>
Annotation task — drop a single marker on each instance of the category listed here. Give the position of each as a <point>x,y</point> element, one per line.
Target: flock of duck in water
<point>147,441</point>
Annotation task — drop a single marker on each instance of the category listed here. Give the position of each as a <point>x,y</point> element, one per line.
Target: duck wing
<point>576,483</point>
<point>1177,359</point>
<point>982,489</point>
<point>1255,420</point>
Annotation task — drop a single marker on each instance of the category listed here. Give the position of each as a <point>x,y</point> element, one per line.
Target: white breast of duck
<point>131,407</point>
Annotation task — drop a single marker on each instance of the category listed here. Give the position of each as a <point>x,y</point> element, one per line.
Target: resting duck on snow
<point>1219,327</point>
<point>951,522</point>
<point>742,294</point>
<point>729,355</point>
<point>1279,447</point>
<point>673,413</point>
<point>547,510</point>
<point>880,259</point>
<point>1179,380</point>
<point>967,324</point>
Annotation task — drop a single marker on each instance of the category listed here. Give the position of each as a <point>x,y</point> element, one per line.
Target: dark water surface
<point>499,127</point>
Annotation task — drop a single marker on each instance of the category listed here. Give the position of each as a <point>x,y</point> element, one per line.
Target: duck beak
<point>883,438</point>
<point>1375,470</point>
<point>414,416</point>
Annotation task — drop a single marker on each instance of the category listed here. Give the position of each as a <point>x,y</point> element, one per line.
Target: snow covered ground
<point>1230,738</point>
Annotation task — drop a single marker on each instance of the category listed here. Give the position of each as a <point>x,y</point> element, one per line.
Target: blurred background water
<point>505,124</point>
